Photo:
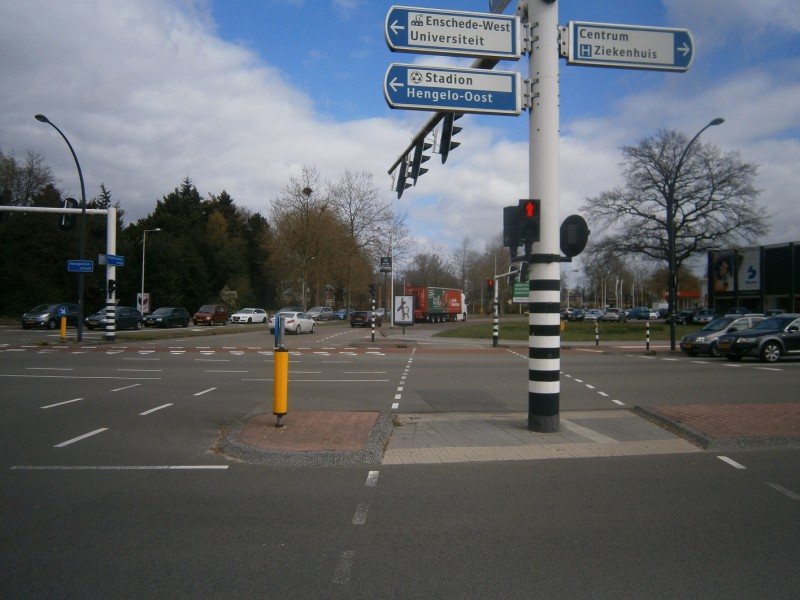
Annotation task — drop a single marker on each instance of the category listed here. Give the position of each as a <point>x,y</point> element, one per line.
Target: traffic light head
<point>529,220</point>
<point>420,157</point>
<point>448,131</point>
<point>490,285</point>
<point>66,221</point>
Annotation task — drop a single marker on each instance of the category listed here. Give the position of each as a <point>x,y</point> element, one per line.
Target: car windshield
<point>206,308</point>
<point>43,308</point>
<point>162,311</point>
<point>246,310</point>
<point>719,324</point>
<point>316,309</point>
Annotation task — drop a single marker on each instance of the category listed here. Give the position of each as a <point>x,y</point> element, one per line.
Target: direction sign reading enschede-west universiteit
<point>428,31</point>
<point>629,46</point>
<point>459,90</point>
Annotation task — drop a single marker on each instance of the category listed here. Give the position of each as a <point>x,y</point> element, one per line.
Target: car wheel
<point>733,357</point>
<point>298,331</point>
<point>138,325</point>
<point>713,352</point>
<point>51,324</point>
<point>313,327</point>
<point>771,352</point>
<point>249,319</point>
<point>186,323</point>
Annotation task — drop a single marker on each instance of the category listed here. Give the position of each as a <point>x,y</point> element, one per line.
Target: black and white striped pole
<point>544,291</point>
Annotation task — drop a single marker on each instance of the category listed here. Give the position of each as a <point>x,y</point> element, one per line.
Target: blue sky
<point>240,94</point>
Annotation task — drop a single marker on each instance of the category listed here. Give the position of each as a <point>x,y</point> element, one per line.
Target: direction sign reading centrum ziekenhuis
<point>427,31</point>
<point>629,46</point>
<point>460,90</point>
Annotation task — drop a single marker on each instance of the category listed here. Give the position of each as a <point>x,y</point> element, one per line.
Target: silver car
<point>705,340</point>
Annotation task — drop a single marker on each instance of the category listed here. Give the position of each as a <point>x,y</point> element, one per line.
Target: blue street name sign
<point>629,46</point>
<point>460,90</point>
<point>80,266</point>
<point>427,31</point>
<point>113,260</point>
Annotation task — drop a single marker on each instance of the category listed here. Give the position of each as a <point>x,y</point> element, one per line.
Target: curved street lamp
<point>673,270</point>
<point>82,246</point>
<point>144,246</point>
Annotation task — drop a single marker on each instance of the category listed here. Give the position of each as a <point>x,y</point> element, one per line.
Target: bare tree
<point>21,181</point>
<point>711,194</point>
<point>359,208</point>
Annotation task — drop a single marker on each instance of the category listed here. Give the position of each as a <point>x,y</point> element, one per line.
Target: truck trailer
<point>437,305</point>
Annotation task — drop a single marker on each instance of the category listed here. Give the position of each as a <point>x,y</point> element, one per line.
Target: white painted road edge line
<point>731,462</point>
<point>62,403</point>
<point>81,437</point>
<point>152,410</point>
<point>784,491</point>
<point>372,478</point>
<point>205,391</point>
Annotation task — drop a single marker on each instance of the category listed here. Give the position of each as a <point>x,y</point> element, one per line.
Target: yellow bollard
<point>280,389</point>
<point>63,328</point>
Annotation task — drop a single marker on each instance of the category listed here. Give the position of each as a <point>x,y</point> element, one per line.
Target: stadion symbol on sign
<point>460,90</point>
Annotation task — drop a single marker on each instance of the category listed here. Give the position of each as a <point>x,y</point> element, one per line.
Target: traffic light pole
<point>544,331</point>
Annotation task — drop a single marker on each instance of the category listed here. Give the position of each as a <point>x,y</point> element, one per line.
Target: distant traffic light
<point>529,221</point>
<point>448,131</point>
<point>372,290</point>
<point>66,221</point>
<point>490,286</point>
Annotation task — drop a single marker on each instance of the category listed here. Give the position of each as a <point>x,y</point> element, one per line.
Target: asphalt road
<point>111,486</point>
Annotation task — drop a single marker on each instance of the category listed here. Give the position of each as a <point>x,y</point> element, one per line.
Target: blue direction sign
<point>80,266</point>
<point>629,46</point>
<point>427,31</point>
<point>113,260</point>
<point>460,90</point>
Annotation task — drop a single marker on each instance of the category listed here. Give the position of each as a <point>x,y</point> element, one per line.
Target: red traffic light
<point>529,209</point>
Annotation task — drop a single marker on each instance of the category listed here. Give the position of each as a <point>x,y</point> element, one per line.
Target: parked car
<point>167,316</point>
<point>739,310</point>
<point>576,314</point>
<point>705,340</point>
<point>208,314</point>
<point>642,313</point>
<point>294,322</point>
<point>684,317</point>
<point>290,309</point>
<point>125,317</point>
<point>704,315</point>
<point>250,315</point>
<point>592,314</point>
<point>380,312</point>
<point>320,313</point>
<point>363,318</point>
<point>612,314</point>
<point>46,315</point>
<point>342,314</point>
<point>767,340</point>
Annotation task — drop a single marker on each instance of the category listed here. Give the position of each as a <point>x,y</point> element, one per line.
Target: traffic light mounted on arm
<point>448,131</point>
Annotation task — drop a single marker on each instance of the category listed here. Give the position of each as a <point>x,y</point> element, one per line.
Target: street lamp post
<point>671,243</point>
<point>144,246</point>
<point>82,244</point>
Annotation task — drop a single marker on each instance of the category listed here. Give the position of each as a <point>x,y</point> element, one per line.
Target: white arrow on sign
<point>395,27</point>
<point>394,84</point>
<point>684,49</point>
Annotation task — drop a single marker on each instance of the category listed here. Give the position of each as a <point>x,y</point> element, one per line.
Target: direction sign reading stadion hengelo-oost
<point>462,90</point>
<point>429,31</point>
<point>629,46</point>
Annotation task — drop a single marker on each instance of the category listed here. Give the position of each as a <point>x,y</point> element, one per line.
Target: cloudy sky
<point>238,95</point>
